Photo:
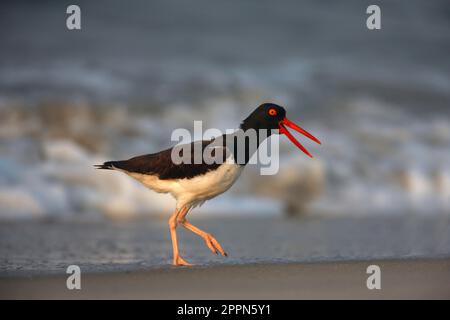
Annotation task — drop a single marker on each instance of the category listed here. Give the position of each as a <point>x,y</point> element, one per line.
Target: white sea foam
<point>378,162</point>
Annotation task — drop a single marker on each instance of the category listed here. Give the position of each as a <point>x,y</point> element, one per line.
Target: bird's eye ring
<point>272,112</point>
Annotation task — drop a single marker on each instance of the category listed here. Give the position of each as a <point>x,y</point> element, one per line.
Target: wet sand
<point>272,258</point>
<point>47,247</point>
<point>400,279</point>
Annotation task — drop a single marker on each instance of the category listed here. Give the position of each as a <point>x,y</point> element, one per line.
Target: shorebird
<point>191,184</point>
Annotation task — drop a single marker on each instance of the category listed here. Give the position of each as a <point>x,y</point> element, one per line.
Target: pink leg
<point>177,259</point>
<point>210,241</point>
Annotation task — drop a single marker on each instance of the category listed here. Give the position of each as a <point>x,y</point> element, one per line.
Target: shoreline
<point>400,279</point>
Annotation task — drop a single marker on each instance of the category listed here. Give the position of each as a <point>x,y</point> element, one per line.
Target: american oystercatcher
<point>191,183</point>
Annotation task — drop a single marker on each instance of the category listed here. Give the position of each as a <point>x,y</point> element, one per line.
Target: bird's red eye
<point>272,112</point>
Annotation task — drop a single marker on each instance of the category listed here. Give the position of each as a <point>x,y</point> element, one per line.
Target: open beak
<point>287,123</point>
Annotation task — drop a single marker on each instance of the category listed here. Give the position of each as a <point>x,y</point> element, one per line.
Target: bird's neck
<point>246,142</point>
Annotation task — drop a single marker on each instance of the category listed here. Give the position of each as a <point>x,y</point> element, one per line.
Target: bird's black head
<point>266,116</point>
<point>270,116</point>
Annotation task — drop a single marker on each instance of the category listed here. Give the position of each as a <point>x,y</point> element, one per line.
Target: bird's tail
<point>109,165</point>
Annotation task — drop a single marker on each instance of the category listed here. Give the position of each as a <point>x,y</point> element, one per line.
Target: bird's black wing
<point>161,163</point>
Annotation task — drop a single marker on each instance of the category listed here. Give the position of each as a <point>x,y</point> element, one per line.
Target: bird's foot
<point>214,245</point>
<point>179,261</point>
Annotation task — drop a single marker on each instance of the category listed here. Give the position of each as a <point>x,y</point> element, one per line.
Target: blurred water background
<point>379,101</point>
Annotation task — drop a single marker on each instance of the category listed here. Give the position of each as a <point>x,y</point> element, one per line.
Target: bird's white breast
<point>207,186</point>
<point>194,191</point>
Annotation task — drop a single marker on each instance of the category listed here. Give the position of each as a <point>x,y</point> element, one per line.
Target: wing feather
<point>161,164</point>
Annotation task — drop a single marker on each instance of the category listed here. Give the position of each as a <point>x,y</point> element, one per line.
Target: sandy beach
<point>401,279</point>
<point>269,258</point>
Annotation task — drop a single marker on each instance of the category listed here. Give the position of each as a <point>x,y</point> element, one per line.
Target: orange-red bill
<point>290,124</point>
